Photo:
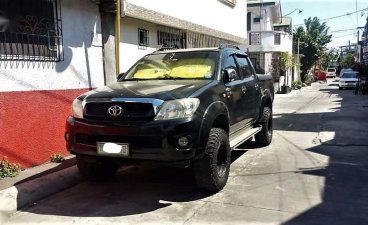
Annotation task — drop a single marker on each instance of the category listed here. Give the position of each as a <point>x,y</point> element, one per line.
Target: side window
<point>245,67</point>
<point>229,63</point>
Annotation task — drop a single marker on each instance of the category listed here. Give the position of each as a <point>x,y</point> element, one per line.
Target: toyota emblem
<point>115,110</point>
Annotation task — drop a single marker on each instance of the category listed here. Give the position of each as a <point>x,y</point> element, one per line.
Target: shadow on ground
<point>135,190</point>
<point>345,192</point>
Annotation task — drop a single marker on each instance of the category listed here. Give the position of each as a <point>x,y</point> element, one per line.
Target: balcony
<point>269,41</point>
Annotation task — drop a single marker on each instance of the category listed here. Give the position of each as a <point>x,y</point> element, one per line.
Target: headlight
<point>176,109</point>
<point>77,109</point>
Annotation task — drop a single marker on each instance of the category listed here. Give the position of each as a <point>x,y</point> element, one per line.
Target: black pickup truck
<point>187,107</point>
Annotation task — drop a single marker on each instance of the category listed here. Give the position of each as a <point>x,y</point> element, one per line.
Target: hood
<point>158,89</point>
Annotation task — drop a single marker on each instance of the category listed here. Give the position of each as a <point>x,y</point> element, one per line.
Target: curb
<point>29,192</point>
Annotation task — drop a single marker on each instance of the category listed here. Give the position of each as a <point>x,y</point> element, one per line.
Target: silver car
<point>348,80</point>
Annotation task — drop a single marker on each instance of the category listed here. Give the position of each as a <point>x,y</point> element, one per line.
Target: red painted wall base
<point>32,125</point>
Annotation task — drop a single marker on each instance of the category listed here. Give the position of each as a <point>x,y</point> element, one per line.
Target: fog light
<point>183,142</point>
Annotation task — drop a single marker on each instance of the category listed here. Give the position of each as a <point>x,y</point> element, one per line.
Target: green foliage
<point>312,43</point>
<point>285,61</point>
<point>297,84</point>
<point>348,61</point>
<point>57,158</point>
<point>308,79</point>
<point>8,169</point>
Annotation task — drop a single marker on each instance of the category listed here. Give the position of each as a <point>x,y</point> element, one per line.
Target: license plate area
<point>113,149</point>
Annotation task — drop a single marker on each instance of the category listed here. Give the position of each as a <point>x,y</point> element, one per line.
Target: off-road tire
<point>212,171</point>
<point>96,169</point>
<point>264,137</point>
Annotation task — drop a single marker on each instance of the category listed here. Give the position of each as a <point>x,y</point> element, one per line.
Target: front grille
<point>130,111</point>
<point>151,144</point>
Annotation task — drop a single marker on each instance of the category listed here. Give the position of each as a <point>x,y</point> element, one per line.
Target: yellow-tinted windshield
<point>183,65</point>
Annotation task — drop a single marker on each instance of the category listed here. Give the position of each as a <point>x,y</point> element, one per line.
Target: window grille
<point>32,31</point>
<point>171,37</point>
<point>175,38</point>
<point>277,38</point>
<point>143,37</point>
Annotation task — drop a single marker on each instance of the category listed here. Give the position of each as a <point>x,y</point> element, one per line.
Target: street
<point>314,172</point>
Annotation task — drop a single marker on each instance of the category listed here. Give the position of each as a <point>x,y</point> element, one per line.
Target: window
<point>229,63</point>
<point>143,37</point>
<point>256,20</point>
<point>249,22</point>
<point>254,38</point>
<point>171,37</point>
<point>277,38</point>
<point>245,69</point>
<point>32,31</point>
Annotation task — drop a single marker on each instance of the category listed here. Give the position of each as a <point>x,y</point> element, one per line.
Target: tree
<point>314,38</point>
<point>285,63</point>
<point>328,58</point>
<point>348,61</point>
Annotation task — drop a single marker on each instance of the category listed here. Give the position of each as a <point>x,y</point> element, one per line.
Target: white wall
<point>268,43</point>
<point>130,52</point>
<point>209,13</point>
<point>83,63</point>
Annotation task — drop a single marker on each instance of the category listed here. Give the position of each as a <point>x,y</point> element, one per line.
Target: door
<point>251,93</point>
<point>234,92</point>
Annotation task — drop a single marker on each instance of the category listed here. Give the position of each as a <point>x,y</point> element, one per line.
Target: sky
<point>324,9</point>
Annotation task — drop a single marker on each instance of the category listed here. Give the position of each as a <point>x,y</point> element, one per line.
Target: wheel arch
<point>266,101</point>
<point>215,116</point>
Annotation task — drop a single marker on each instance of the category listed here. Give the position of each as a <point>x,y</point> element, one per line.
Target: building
<point>53,50</point>
<point>269,34</point>
<point>146,25</point>
<point>364,45</point>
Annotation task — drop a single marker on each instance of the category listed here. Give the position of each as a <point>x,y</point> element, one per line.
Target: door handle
<point>244,89</point>
<point>228,92</point>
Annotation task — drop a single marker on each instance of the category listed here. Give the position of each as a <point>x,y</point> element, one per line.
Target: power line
<point>344,35</point>
<point>337,31</point>
<point>335,17</point>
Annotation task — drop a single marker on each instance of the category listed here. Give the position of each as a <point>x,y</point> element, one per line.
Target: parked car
<point>331,72</point>
<point>343,70</point>
<point>187,107</point>
<point>348,80</point>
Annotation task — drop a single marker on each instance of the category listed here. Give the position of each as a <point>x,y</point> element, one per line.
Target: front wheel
<point>264,137</point>
<point>212,171</point>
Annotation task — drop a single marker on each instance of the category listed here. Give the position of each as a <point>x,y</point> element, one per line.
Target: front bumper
<point>154,140</point>
<point>348,85</point>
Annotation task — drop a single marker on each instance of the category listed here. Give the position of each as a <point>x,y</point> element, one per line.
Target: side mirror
<point>229,75</point>
<point>120,76</point>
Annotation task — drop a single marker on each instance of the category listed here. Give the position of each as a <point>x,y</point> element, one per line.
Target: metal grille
<point>171,37</point>
<point>131,111</point>
<point>175,38</point>
<point>277,38</point>
<point>196,40</point>
<point>31,30</point>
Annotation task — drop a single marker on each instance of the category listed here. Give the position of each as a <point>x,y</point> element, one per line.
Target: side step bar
<point>241,136</point>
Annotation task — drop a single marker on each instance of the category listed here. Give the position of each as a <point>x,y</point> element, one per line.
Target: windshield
<point>175,65</point>
<point>350,75</point>
<point>331,70</point>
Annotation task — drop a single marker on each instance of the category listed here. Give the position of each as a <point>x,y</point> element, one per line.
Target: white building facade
<point>50,52</point>
<point>269,34</point>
